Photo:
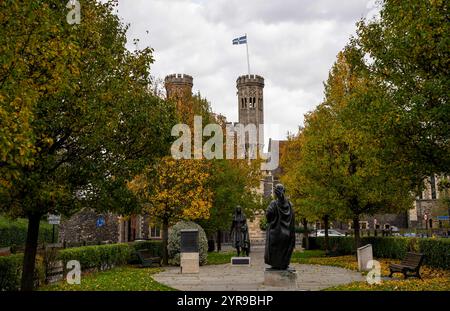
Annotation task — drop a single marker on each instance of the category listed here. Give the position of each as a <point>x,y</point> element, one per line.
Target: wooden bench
<point>411,263</point>
<point>147,258</point>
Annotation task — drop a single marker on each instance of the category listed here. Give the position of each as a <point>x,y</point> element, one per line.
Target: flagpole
<point>248,59</point>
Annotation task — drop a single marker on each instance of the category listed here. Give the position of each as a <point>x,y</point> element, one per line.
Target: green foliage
<point>77,112</point>
<point>173,246</point>
<point>410,62</point>
<point>232,183</point>
<point>263,224</point>
<point>11,272</point>
<point>99,257</point>
<point>13,233</point>
<point>436,251</point>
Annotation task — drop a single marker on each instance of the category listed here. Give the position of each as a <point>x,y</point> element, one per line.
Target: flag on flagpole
<point>240,40</point>
<point>243,40</point>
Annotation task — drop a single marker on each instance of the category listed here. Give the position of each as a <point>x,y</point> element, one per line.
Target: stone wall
<point>82,227</point>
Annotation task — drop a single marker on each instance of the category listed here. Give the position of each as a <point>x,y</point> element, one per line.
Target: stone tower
<point>178,85</point>
<point>250,100</point>
<point>251,111</point>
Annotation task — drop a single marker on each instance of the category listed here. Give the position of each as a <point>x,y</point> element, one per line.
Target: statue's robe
<point>239,233</point>
<point>280,234</point>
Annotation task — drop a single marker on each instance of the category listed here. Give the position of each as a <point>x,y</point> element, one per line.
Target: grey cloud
<point>292,44</point>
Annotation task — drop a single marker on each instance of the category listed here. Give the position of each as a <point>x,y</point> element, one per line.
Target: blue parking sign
<point>100,222</point>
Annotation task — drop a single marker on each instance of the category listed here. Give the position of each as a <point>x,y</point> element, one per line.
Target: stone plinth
<point>189,263</point>
<point>280,278</point>
<point>364,256</point>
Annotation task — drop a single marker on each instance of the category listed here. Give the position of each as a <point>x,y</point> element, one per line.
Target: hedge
<point>436,250</point>
<point>14,232</point>
<point>100,257</point>
<point>11,272</point>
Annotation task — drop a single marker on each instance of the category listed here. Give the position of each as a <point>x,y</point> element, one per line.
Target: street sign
<point>100,222</point>
<point>442,218</point>
<point>54,219</point>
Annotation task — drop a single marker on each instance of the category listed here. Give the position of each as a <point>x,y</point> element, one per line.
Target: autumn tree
<point>408,57</point>
<point>366,181</point>
<point>174,190</point>
<point>77,113</point>
<point>233,183</point>
<point>342,169</point>
<point>290,177</point>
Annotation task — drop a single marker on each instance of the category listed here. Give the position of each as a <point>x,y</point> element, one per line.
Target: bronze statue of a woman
<point>280,232</point>
<point>239,232</point>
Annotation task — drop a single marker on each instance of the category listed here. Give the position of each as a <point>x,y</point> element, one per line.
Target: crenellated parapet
<point>178,84</point>
<point>247,80</point>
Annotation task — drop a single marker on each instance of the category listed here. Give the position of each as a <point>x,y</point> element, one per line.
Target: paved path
<point>235,278</point>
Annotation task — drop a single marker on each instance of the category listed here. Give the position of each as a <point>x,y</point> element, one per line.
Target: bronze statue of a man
<point>280,232</point>
<point>239,232</point>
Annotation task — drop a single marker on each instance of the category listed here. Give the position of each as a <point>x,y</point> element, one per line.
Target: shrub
<point>340,245</point>
<point>99,257</point>
<point>389,247</point>
<point>173,246</point>
<point>11,272</point>
<point>436,251</point>
<point>14,232</point>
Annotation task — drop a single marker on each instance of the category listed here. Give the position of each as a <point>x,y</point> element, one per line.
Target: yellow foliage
<point>179,190</point>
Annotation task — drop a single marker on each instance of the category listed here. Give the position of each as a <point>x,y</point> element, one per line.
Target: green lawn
<point>125,278</point>
<point>218,258</point>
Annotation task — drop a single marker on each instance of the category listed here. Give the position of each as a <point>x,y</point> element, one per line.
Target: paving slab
<point>251,278</point>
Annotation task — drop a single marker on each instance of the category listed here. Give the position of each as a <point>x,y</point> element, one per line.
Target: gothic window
<point>242,103</point>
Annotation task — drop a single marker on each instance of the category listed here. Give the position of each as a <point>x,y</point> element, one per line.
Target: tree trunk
<point>356,229</point>
<point>219,240</point>
<point>327,240</point>
<point>305,234</point>
<point>165,238</point>
<point>29,257</point>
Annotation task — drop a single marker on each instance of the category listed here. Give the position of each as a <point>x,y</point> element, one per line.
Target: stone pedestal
<point>364,256</point>
<point>189,263</point>
<point>280,278</point>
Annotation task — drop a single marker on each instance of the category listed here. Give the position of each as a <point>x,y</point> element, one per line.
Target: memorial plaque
<point>240,261</point>
<point>364,256</point>
<point>189,241</point>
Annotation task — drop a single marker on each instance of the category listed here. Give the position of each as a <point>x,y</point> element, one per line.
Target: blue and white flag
<point>240,40</point>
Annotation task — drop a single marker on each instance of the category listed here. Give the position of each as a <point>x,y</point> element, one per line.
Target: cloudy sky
<point>292,44</point>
